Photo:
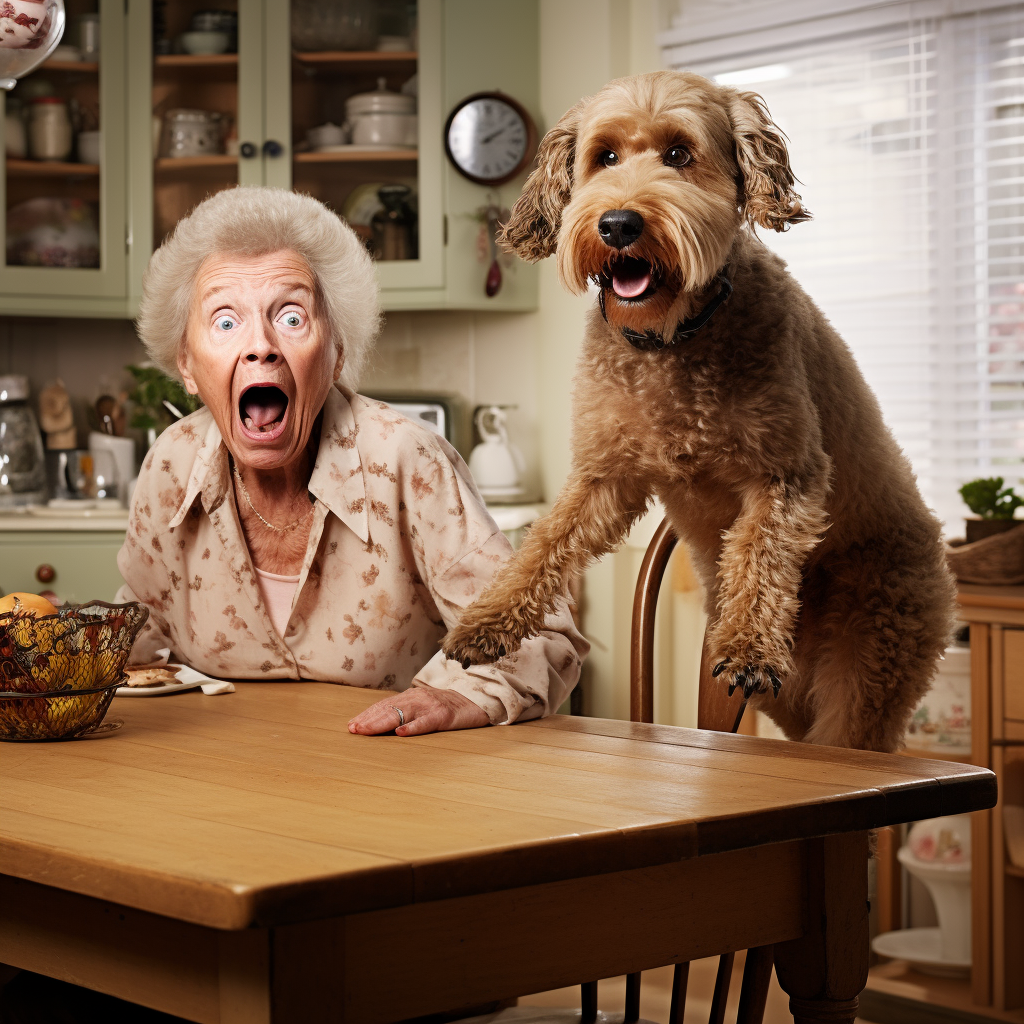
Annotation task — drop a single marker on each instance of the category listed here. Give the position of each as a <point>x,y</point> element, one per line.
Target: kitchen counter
<point>90,520</point>
<point>507,517</point>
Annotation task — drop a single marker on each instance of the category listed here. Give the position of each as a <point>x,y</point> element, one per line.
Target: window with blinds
<point>909,140</point>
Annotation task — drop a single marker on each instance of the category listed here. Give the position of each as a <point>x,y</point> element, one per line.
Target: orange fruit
<point>30,604</point>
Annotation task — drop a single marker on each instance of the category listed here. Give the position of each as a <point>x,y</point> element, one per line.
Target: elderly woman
<point>293,529</point>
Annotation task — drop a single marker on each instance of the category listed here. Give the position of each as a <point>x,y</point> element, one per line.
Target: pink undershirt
<point>278,593</point>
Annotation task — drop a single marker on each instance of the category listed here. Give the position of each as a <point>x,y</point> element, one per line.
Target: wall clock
<point>490,138</point>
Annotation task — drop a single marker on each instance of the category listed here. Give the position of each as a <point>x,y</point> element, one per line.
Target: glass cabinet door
<point>63,184</point>
<point>353,118</point>
<point>203,140</point>
<point>199,113</point>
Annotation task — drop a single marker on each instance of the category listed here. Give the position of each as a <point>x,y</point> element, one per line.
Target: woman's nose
<point>262,349</point>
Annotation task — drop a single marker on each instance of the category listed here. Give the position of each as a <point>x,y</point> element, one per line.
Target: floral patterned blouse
<point>400,542</point>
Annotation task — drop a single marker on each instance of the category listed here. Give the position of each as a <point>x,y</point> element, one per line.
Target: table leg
<point>825,970</point>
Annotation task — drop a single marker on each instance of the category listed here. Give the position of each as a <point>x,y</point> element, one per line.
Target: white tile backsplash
<point>484,358</point>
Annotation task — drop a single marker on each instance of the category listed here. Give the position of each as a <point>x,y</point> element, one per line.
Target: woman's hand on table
<point>425,709</point>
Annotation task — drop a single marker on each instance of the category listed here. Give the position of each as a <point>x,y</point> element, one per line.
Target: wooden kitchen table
<point>243,858</point>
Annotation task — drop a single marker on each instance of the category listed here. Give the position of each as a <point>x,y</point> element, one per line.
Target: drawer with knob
<point>76,565</point>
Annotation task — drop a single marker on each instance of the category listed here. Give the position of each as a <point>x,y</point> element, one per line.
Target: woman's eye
<point>226,323</point>
<point>608,158</point>
<point>292,319</point>
<point>677,156</point>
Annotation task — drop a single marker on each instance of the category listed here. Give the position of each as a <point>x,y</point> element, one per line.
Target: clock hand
<point>493,136</point>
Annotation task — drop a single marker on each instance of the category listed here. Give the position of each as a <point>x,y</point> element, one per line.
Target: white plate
<point>159,691</point>
<point>921,948</point>
<point>154,691</point>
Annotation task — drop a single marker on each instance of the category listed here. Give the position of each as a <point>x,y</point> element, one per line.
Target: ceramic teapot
<point>496,464</point>
<point>29,32</point>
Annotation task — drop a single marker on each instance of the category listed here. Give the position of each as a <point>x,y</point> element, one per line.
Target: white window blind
<point>909,140</point>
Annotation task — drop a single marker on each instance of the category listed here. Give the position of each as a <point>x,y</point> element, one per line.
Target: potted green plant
<point>993,503</point>
<point>157,400</point>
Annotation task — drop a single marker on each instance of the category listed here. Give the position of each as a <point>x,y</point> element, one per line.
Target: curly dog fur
<point>822,566</point>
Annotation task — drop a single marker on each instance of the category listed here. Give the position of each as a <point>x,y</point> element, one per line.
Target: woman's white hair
<point>250,221</point>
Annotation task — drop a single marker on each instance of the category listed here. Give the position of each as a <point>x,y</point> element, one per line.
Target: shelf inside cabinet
<point>195,60</point>
<point>359,156</point>
<point>170,164</point>
<point>49,169</point>
<point>363,62</point>
<point>81,67</point>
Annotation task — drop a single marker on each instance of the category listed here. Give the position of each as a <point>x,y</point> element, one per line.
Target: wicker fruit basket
<point>996,560</point>
<point>58,672</point>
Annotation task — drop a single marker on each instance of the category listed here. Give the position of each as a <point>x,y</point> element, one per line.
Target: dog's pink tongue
<point>631,287</point>
<point>262,408</point>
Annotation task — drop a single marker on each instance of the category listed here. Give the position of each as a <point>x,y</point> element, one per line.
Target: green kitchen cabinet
<point>84,562</point>
<point>78,198</point>
<point>268,95</point>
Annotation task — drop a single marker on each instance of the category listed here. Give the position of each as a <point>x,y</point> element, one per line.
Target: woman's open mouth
<point>631,279</point>
<point>262,411</point>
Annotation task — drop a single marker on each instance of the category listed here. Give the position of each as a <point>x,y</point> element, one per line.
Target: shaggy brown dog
<point>744,413</point>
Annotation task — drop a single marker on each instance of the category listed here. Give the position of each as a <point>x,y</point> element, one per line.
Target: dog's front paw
<point>753,678</point>
<point>476,641</point>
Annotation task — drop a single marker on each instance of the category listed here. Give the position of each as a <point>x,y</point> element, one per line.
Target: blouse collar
<point>337,478</point>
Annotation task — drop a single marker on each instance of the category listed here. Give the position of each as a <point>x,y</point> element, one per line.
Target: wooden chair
<point>716,711</point>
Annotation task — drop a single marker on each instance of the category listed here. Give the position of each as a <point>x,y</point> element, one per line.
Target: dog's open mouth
<point>262,409</point>
<point>631,278</point>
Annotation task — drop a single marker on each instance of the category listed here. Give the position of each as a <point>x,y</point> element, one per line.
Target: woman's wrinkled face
<point>256,356</point>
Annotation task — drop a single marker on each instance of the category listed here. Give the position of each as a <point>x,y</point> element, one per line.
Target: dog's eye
<point>677,156</point>
<point>608,158</point>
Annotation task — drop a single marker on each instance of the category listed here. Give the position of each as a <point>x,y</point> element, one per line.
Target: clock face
<point>489,138</point>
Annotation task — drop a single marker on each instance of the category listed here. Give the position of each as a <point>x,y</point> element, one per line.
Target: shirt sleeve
<point>529,683</point>
<point>143,570</point>
<point>153,636</point>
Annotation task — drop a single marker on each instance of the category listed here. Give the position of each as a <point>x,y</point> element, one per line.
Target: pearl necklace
<point>270,526</point>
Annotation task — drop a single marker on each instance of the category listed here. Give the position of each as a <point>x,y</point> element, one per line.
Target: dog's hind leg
<point>758,585</point>
<point>588,519</point>
<point>875,653</point>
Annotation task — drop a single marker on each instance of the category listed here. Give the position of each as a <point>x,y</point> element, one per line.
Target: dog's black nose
<point>619,228</point>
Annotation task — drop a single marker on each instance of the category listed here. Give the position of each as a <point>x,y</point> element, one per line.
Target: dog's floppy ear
<point>532,228</point>
<point>767,187</point>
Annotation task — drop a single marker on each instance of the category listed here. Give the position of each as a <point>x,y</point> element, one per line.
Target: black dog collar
<point>649,341</point>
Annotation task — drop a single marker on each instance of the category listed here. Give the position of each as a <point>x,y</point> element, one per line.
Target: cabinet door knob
<point>46,573</point>
<point>247,150</point>
<point>272,148</point>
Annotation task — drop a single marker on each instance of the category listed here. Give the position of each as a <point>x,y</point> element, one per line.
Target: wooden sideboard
<point>996,619</point>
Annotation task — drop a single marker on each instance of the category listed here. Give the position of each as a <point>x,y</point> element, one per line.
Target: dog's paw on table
<point>752,678</point>
<point>475,643</point>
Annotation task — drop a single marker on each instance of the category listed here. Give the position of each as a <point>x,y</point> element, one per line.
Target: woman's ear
<point>768,197</point>
<point>532,228</point>
<point>339,364</point>
<point>184,368</point>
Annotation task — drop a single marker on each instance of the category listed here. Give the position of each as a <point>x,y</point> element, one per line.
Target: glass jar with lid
<point>22,465</point>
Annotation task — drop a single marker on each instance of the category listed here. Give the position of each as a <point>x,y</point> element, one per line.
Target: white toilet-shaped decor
<point>938,852</point>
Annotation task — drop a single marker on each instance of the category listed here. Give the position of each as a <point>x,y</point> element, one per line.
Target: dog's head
<point>643,186</point>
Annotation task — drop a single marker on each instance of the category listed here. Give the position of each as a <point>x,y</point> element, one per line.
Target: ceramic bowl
<point>26,24</point>
<point>205,43</point>
<point>400,130</point>
<point>326,135</point>
<point>945,840</point>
